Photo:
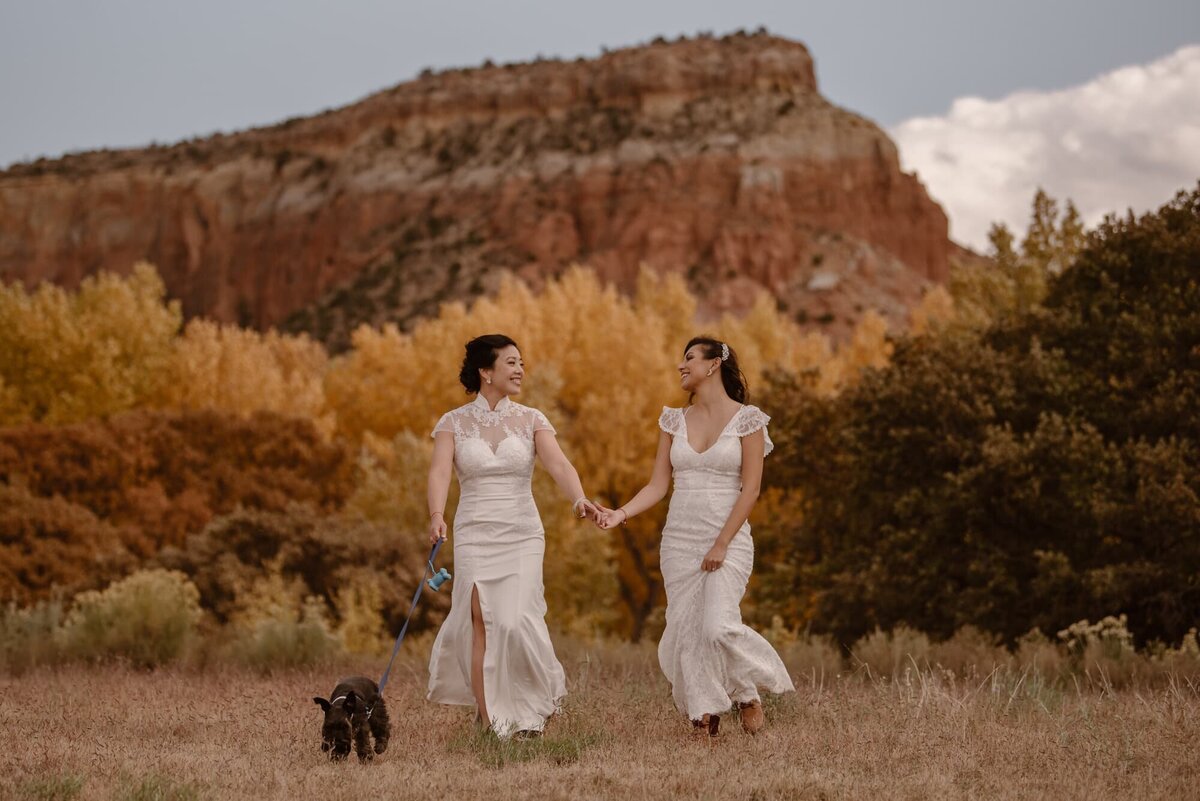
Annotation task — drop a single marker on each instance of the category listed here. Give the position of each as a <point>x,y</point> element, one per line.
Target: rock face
<point>714,158</point>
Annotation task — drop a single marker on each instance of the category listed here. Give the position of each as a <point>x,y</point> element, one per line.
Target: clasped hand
<point>607,518</point>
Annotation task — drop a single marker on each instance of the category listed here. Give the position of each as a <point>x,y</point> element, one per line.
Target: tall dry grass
<point>228,733</point>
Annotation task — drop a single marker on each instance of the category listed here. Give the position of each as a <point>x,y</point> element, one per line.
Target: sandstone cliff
<point>716,158</point>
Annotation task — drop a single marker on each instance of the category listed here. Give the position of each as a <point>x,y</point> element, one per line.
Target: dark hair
<point>481,354</point>
<point>731,373</point>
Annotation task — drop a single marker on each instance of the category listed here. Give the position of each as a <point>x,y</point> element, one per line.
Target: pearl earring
<point>489,380</point>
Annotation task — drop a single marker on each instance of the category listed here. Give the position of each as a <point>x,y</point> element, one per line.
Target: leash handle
<point>429,571</point>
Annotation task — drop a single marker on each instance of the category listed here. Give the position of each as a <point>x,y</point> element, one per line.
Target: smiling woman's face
<point>693,370</point>
<point>507,372</point>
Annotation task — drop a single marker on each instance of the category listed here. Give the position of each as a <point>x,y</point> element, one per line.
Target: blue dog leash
<point>437,577</point>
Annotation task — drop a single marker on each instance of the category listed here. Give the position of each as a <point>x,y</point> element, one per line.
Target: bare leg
<point>478,646</point>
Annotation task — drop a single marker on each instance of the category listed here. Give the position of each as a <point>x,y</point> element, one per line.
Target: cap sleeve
<point>671,420</point>
<point>751,419</point>
<point>446,423</point>
<point>541,422</point>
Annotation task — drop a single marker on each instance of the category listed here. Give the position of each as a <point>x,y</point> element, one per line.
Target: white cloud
<point>1127,139</point>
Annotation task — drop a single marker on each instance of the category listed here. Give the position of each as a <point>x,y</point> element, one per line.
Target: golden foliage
<point>935,311</point>
<point>601,366</point>
<point>238,370</point>
<point>69,356</point>
<point>360,612</point>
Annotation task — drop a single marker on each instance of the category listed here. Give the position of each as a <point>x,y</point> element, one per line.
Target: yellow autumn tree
<point>935,311</point>
<point>69,356</point>
<point>239,370</point>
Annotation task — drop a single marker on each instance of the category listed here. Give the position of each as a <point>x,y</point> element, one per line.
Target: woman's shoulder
<point>749,419</point>
<point>531,415</point>
<point>671,420</point>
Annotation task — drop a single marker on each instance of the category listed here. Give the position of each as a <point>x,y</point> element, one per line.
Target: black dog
<point>354,707</point>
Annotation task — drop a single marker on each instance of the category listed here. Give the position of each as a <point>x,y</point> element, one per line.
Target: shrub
<point>323,555</point>
<point>1103,651</point>
<point>970,652</point>
<point>1035,652</point>
<point>29,636</point>
<point>148,618</point>
<point>892,654</point>
<point>159,476</point>
<point>1182,662</point>
<point>361,627</point>
<point>50,545</point>
<point>292,637</point>
<point>275,625</point>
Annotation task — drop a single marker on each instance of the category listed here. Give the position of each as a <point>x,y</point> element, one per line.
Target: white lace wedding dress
<point>710,657</point>
<point>498,546</point>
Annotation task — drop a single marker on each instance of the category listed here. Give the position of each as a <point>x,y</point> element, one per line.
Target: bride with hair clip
<point>714,448</point>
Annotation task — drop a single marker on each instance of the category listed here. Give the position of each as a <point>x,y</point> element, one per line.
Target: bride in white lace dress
<point>715,449</point>
<point>493,650</point>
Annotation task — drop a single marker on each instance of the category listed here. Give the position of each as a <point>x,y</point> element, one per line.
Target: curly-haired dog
<point>353,707</point>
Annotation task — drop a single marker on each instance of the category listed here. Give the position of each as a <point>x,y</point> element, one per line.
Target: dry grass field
<point>100,733</point>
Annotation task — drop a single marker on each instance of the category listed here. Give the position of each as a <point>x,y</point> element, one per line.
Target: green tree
<point>1041,471</point>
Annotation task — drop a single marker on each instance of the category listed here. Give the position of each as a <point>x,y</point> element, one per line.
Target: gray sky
<point>80,74</point>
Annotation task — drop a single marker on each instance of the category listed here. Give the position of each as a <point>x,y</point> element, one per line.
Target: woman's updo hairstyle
<point>731,373</point>
<point>481,354</point>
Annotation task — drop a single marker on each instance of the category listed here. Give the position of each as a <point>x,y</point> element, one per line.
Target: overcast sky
<point>961,85</point>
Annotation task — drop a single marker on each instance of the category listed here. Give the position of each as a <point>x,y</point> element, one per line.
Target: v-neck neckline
<point>728,423</point>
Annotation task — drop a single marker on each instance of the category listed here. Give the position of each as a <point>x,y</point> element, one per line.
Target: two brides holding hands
<point>493,651</point>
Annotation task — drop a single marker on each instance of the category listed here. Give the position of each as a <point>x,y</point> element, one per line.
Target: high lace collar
<point>481,402</point>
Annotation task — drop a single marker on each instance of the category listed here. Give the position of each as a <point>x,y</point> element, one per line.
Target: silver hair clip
<point>724,352</point>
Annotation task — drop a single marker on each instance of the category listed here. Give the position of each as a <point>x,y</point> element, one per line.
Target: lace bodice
<point>720,466</point>
<point>493,442</point>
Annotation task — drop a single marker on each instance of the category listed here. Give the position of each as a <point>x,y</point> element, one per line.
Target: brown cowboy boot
<point>753,718</point>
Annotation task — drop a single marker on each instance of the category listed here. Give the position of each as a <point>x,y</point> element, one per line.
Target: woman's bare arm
<point>654,491</point>
<point>439,483</point>
<point>753,451</point>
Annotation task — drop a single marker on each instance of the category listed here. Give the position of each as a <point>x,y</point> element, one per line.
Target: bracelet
<point>435,514</point>
<point>575,506</point>
<point>625,520</point>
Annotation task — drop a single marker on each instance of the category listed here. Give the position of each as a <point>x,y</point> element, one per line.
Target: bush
<point>361,627</point>
<point>291,636</point>
<point>324,555</point>
<point>50,545</point>
<point>1182,662</point>
<point>1036,653</point>
<point>159,476</point>
<point>29,636</point>
<point>892,654</point>
<point>970,652</point>
<point>148,619</point>
<point>1102,651</point>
